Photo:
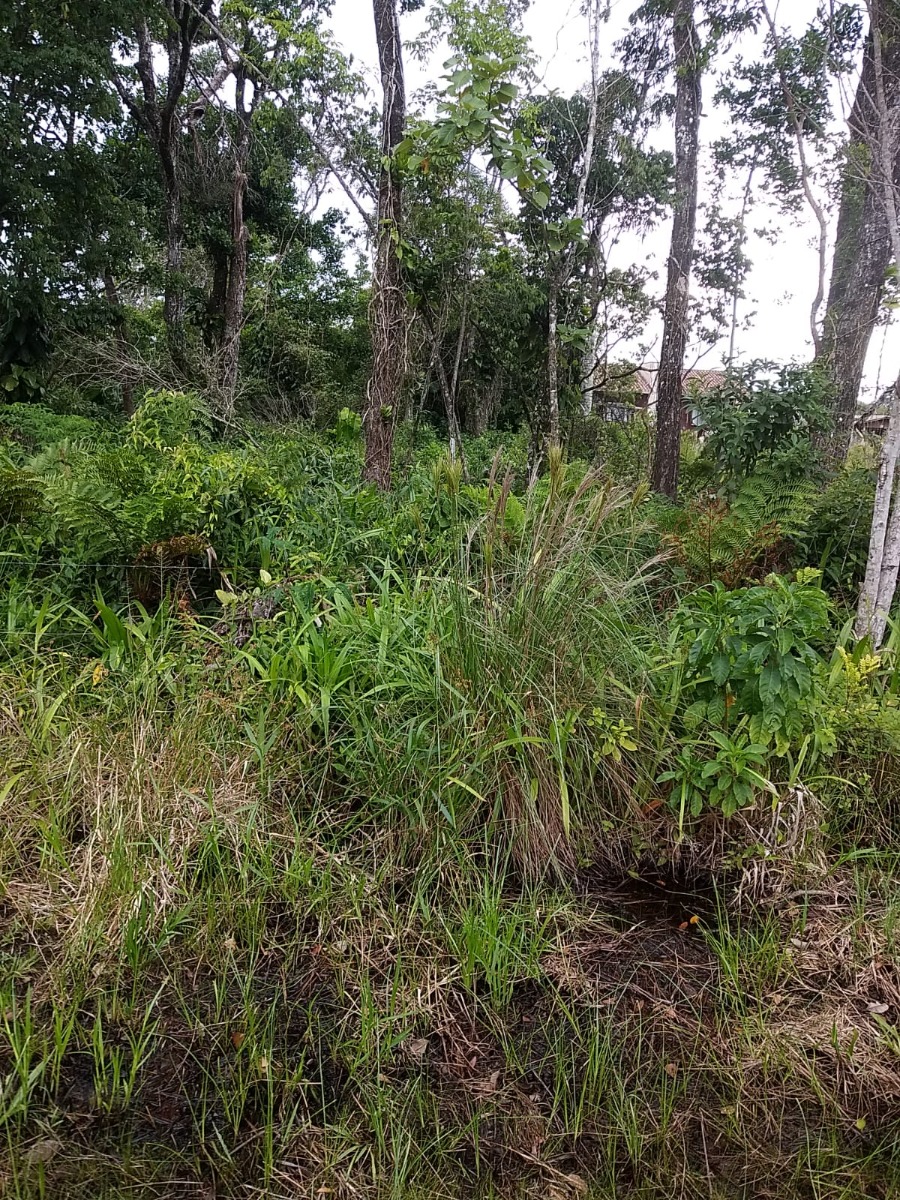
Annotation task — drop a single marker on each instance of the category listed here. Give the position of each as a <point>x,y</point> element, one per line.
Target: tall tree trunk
<point>553,359</point>
<point>454,436</point>
<point>589,358</point>
<point>118,316</point>
<point>688,71</point>
<point>883,564</point>
<point>862,249</point>
<point>215,302</point>
<point>453,426</point>
<point>174,300</point>
<point>798,119</point>
<point>234,296</point>
<point>387,311</point>
<point>159,117</point>
<point>877,592</point>
<point>236,289</point>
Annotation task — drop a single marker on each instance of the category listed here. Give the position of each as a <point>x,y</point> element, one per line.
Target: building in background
<point>638,392</point>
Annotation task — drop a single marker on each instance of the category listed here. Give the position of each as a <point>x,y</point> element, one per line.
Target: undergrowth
<point>447,844</point>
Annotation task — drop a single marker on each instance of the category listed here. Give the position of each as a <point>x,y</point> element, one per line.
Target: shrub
<point>765,414</point>
<point>836,537</point>
<point>750,657</point>
<point>711,539</point>
<point>621,450</point>
<point>25,428</point>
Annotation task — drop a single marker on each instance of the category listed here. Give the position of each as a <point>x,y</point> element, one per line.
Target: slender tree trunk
<point>158,116</point>
<point>454,436</point>
<point>236,289</point>
<point>798,119</point>
<point>234,296</point>
<point>589,358</point>
<point>174,301</point>
<point>877,591</point>
<point>736,294</point>
<point>862,249</point>
<point>880,584</point>
<point>453,426</point>
<point>118,316</point>
<point>553,360</point>
<point>387,313</point>
<point>669,405</point>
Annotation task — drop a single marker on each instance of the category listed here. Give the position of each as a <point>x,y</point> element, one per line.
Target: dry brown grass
<point>383,1027</point>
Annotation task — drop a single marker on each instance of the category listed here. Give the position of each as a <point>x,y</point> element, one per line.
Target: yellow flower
<point>99,673</point>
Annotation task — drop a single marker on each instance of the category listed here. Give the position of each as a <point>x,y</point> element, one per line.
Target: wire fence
<point>136,579</point>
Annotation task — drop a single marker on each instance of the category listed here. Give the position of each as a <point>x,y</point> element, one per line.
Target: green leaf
<point>770,683</point>
<point>695,713</point>
<point>716,710</point>
<point>720,668</point>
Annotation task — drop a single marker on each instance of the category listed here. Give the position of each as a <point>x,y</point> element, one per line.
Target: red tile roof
<point>704,381</point>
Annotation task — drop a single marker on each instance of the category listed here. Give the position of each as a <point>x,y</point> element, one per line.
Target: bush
<point>836,537</point>
<point>25,428</point>
<point>752,536</point>
<point>750,686</point>
<point>621,450</point>
<point>765,414</point>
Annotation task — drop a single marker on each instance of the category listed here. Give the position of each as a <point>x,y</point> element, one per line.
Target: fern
<point>766,499</point>
<point>21,495</point>
<point>711,540</point>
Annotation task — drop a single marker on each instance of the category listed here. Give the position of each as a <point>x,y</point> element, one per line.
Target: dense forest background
<point>169,174</point>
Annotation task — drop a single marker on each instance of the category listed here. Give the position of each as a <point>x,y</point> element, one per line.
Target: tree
<point>157,112</point>
<point>883,564</point>
<point>476,116</point>
<point>862,250</point>
<point>688,69</point>
<point>388,314</point>
<point>270,50</point>
<point>62,216</point>
<point>604,179</point>
<point>782,106</point>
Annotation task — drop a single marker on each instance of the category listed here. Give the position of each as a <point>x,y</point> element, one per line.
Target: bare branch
<point>805,180</point>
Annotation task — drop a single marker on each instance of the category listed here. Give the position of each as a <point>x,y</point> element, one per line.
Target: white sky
<point>782,282</point>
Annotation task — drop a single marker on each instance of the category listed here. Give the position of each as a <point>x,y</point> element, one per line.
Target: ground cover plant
<point>442,843</point>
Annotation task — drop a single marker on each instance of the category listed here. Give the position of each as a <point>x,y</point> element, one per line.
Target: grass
<point>358,905</point>
<point>220,976</point>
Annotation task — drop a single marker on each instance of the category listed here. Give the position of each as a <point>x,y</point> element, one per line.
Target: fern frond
<point>765,499</point>
<point>21,495</point>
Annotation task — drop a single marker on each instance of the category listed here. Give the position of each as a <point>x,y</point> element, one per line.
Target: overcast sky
<point>783,279</point>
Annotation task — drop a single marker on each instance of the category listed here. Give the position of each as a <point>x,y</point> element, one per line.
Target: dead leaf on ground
<point>42,1151</point>
<point>485,1087</point>
<point>877,1007</point>
<point>418,1046</point>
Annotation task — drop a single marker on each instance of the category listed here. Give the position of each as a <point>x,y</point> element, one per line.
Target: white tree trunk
<point>553,360</point>
<point>589,358</point>
<point>878,587</point>
<point>883,563</point>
